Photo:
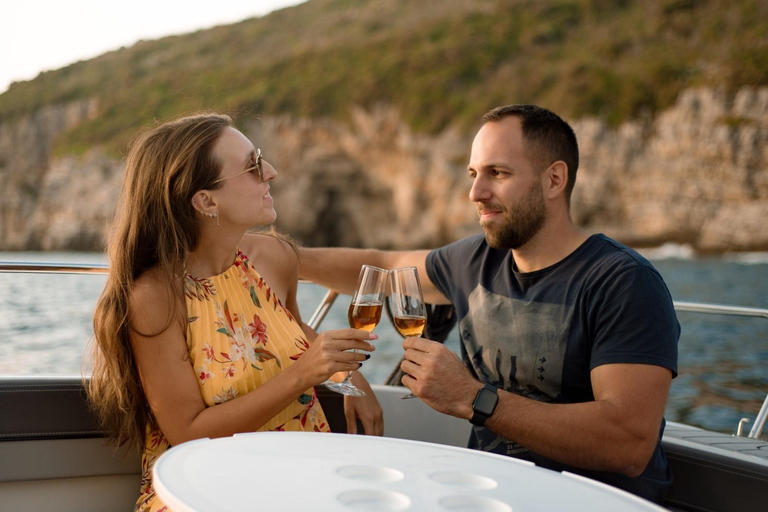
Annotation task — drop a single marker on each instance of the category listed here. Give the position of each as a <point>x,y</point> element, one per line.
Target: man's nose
<point>479,190</point>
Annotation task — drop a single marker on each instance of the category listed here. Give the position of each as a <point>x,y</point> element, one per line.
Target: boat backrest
<point>53,456</point>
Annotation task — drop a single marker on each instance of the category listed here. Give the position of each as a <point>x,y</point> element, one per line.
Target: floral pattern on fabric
<point>247,341</point>
<point>197,288</point>
<point>252,280</point>
<point>239,336</point>
<point>155,446</point>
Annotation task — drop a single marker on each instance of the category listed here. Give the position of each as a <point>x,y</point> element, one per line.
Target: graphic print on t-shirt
<point>516,345</point>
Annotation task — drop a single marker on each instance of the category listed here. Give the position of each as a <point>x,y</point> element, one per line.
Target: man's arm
<point>338,268</point>
<point>617,432</point>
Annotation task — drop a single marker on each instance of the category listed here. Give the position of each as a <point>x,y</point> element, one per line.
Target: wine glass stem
<point>348,378</point>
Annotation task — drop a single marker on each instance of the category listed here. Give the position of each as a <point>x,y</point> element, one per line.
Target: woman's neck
<point>213,255</point>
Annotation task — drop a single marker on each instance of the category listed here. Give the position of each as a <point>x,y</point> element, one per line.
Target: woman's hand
<point>365,408</point>
<point>333,351</point>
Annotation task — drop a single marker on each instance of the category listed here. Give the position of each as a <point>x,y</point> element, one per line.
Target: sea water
<point>46,328</point>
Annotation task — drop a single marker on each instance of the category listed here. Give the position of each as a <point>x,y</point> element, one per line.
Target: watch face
<point>486,402</point>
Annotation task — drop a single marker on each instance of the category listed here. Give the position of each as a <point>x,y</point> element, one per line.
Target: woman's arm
<point>170,383</point>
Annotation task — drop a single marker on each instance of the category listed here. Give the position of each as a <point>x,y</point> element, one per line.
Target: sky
<point>40,35</point>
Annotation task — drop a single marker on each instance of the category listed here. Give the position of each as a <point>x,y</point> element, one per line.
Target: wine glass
<point>407,304</point>
<point>364,313</point>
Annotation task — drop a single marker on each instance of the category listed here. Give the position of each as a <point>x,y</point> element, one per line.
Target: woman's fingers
<point>352,357</point>
<point>341,350</point>
<point>351,334</point>
<point>345,340</point>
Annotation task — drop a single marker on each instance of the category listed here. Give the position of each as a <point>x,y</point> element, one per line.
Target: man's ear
<point>556,179</point>
<point>203,202</point>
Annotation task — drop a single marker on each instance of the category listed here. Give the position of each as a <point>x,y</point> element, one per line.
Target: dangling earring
<point>214,215</point>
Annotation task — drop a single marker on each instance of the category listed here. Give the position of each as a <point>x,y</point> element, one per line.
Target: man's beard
<point>521,221</point>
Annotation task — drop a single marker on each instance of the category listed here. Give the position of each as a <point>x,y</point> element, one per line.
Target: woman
<point>198,313</point>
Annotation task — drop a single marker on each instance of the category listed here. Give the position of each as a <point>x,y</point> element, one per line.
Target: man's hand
<point>438,377</point>
<point>365,408</point>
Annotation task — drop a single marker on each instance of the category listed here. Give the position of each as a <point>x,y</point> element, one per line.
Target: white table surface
<point>285,471</point>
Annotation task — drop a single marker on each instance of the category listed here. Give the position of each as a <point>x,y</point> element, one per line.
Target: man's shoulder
<point>465,247</point>
<point>457,264</point>
<point>611,254</point>
<point>608,259</point>
<point>468,252</point>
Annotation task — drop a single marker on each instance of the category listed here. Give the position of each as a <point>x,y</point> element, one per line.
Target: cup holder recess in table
<point>374,499</point>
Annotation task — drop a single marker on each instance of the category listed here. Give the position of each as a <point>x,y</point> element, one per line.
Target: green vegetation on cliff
<point>440,62</point>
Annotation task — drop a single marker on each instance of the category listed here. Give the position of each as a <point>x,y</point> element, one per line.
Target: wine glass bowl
<point>364,313</point>
<point>410,325</point>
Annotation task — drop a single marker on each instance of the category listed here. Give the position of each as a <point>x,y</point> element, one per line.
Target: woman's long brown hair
<point>155,226</point>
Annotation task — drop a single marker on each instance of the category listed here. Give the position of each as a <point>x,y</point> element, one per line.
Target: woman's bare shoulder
<point>151,285</point>
<point>153,300</point>
<point>268,248</point>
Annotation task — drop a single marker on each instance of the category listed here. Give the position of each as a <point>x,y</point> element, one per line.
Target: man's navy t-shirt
<point>539,334</point>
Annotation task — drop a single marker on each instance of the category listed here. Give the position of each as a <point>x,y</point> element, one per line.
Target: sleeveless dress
<point>239,336</point>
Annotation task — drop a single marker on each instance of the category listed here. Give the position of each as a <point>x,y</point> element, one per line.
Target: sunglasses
<point>258,168</point>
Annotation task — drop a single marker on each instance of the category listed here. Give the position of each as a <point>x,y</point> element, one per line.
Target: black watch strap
<point>484,405</point>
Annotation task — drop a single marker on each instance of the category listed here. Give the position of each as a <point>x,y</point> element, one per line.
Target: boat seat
<point>53,456</point>
<point>714,471</point>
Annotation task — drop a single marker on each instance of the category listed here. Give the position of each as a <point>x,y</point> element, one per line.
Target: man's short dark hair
<point>550,137</point>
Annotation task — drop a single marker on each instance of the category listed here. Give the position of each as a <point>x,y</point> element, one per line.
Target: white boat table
<point>286,471</point>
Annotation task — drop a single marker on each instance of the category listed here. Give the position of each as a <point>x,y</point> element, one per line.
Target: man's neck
<point>550,245</point>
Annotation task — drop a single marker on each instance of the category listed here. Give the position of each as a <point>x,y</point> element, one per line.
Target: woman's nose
<point>269,172</point>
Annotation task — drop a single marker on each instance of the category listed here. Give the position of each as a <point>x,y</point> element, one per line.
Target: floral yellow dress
<point>239,336</point>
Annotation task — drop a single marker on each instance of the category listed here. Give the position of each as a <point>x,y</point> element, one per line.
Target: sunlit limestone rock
<point>694,174</point>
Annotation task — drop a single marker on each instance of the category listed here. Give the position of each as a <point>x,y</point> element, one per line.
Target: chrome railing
<point>53,268</point>
<point>322,309</point>
<point>718,309</point>
<point>327,302</point>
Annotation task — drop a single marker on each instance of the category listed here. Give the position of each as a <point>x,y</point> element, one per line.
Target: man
<point>575,334</point>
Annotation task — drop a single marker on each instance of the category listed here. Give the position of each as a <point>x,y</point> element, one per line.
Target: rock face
<point>695,174</point>
<point>48,203</point>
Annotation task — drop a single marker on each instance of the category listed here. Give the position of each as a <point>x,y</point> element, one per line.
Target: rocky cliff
<point>694,174</point>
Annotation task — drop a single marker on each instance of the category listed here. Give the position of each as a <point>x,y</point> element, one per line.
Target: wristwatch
<point>484,405</point>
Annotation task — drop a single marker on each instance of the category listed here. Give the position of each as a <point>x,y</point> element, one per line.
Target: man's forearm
<point>617,432</point>
<point>337,268</point>
<point>588,435</point>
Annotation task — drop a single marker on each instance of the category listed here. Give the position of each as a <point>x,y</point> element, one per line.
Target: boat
<point>54,456</point>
